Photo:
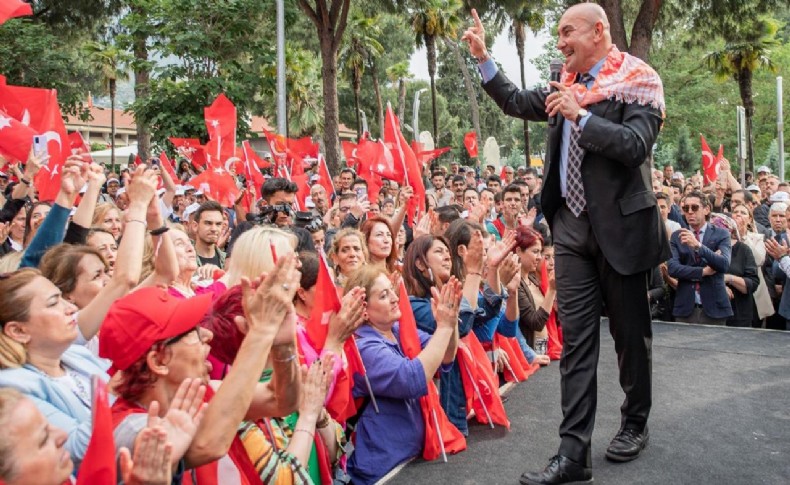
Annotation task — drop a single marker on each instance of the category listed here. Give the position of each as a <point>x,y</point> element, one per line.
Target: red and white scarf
<point>622,77</point>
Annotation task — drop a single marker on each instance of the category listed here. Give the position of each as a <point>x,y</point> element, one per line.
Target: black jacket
<point>615,171</point>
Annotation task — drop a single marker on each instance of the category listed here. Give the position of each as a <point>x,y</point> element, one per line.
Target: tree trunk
<point>470,89</point>
<point>112,124</point>
<point>744,79</point>
<point>141,76</point>
<point>402,102</point>
<point>614,12</point>
<point>520,35</point>
<point>331,120</point>
<point>430,49</point>
<point>377,90</point>
<point>642,31</point>
<point>356,106</point>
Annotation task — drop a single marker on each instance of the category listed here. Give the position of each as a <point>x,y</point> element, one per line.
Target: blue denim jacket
<point>451,388</point>
<point>61,408</point>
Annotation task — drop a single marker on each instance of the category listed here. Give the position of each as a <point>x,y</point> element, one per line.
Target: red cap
<point>142,318</point>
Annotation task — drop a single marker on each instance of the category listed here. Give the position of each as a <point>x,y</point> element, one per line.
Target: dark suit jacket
<point>742,264</point>
<point>687,268</point>
<point>617,182</point>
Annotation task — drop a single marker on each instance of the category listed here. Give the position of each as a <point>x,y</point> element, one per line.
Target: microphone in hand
<point>555,67</point>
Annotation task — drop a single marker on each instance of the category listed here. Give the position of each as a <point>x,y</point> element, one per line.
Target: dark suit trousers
<point>585,281</point>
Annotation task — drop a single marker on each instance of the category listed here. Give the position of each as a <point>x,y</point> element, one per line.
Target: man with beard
<point>207,227</point>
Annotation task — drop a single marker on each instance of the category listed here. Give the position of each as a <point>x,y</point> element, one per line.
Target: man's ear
<point>16,331</point>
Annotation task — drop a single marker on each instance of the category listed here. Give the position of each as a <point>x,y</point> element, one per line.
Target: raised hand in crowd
<point>528,218</point>
<point>72,179</point>
<point>473,264</point>
<point>424,225</point>
<point>499,251</point>
<point>206,272</point>
<point>182,419</point>
<point>344,323</point>
<point>360,207</point>
<point>152,462</point>
<point>94,174</point>
<point>405,194</point>
<point>445,306</point>
<point>510,274</point>
<point>315,385</point>
<point>776,250</point>
<point>477,213</point>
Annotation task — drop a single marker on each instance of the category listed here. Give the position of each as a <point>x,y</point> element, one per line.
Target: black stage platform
<point>721,415</point>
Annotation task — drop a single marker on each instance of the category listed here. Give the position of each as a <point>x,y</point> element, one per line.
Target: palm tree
<point>523,15</point>
<point>359,48</point>
<point>111,63</point>
<point>400,72</point>
<point>434,19</point>
<point>747,49</point>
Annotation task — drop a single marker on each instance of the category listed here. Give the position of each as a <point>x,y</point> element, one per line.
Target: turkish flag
<point>470,141</point>
<point>392,140</point>
<point>39,109</point>
<point>16,138</point>
<point>426,156</point>
<point>350,152</point>
<point>278,147</point>
<point>325,178</point>
<point>253,164</point>
<point>302,147</point>
<point>253,157</point>
<point>79,147</point>
<point>481,385</point>
<point>191,149</point>
<point>440,434</point>
<point>221,125</point>
<point>303,189</point>
<point>14,8</point>
<point>167,166</point>
<point>408,160</point>
<point>710,165</point>
<point>219,184</point>
<point>326,303</point>
<point>98,465</point>
<point>376,157</point>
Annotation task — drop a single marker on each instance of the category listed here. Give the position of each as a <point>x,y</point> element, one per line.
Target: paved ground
<point>721,415</point>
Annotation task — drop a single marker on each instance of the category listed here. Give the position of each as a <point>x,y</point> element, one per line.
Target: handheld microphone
<point>555,66</point>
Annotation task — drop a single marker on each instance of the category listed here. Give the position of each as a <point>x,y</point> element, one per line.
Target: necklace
<point>78,388</point>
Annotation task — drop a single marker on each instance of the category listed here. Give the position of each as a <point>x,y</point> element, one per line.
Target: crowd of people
<point>729,242</point>
<point>198,316</point>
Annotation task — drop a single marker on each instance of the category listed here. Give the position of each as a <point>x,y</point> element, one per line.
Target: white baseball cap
<point>763,168</point>
<point>779,196</point>
<point>754,188</point>
<point>190,209</point>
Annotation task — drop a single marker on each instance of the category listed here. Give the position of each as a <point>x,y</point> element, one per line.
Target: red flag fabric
<point>252,156</point>
<point>302,147</point>
<point>514,371</point>
<point>481,385</point>
<point>555,334</point>
<point>39,109</point>
<point>278,147</point>
<point>439,432</point>
<point>79,147</point>
<point>98,465</point>
<point>376,157</point>
<point>221,126</point>
<point>14,8</point>
<point>219,185</point>
<point>470,142</point>
<point>720,155</point>
<point>392,140</point>
<point>404,153</point>
<point>167,166</point>
<point>710,166</point>
<point>303,191</point>
<point>426,156</point>
<point>325,304</point>
<point>16,138</point>
<point>325,179</point>
<point>137,160</point>
<point>191,149</point>
<point>349,151</point>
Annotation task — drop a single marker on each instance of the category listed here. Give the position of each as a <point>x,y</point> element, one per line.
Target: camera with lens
<point>307,220</point>
<point>268,213</point>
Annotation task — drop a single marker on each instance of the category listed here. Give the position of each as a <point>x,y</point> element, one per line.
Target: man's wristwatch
<point>581,114</point>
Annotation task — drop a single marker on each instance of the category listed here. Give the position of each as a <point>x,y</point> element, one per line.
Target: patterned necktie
<point>574,186</point>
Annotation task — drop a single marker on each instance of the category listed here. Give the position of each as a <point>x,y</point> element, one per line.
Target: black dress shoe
<point>560,469</point>
<point>627,445</point>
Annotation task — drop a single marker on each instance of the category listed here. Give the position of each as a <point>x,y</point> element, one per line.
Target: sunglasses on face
<point>690,208</point>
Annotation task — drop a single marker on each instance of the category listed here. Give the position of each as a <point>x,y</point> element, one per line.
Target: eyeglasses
<point>190,337</point>
<point>690,208</point>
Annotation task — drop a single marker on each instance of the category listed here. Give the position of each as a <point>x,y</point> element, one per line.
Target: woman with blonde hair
<point>348,252</point>
<point>108,216</point>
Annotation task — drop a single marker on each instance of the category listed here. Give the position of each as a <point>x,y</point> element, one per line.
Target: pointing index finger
<point>478,23</point>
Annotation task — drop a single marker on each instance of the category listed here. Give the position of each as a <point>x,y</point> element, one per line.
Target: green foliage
<point>687,157</point>
<point>31,54</point>
<point>772,156</point>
